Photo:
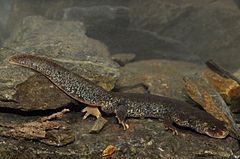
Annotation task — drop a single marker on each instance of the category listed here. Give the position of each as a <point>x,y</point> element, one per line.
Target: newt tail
<point>123,104</point>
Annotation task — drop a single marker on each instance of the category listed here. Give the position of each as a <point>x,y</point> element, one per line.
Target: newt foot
<point>90,110</point>
<point>125,125</point>
<point>174,131</point>
<point>168,126</point>
<point>121,113</point>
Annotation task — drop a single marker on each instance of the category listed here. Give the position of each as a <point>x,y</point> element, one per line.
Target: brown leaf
<point>109,150</point>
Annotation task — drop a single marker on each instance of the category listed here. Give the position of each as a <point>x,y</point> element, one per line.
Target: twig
<point>53,116</point>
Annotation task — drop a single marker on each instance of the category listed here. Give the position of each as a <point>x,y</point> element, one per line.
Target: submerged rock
<point>55,10</point>
<point>64,42</point>
<point>161,77</point>
<point>123,58</point>
<point>145,44</point>
<point>207,28</point>
<point>97,15</point>
<point>4,12</point>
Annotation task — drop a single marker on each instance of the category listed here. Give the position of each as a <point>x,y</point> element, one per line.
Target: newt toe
<point>168,124</point>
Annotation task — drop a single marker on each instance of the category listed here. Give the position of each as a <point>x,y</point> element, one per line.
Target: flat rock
<point>145,138</point>
<point>64,42</point>
<point>161,77</point>
<point>207,29</point>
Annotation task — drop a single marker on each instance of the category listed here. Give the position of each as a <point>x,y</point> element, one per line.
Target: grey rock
<point>51,9</point>
<point>98,125</point>
<point>64,42</point>
<point>4,11</point>
<point>1,34</point>
<point>123,58</point>
<point>237,2</point>
<point>161,77</point>
<point>94,16</point>
<point>207,29</point>
<point>145,44</point>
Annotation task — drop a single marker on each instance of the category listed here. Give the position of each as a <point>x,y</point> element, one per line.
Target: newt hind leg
<point>121,114</point>
<point>91,110</point>
<point>168,124</point>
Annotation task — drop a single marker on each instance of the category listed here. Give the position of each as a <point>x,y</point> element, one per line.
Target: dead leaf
<point>109,150</point>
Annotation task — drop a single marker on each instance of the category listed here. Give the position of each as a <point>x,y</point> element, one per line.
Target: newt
<point>123,105</point>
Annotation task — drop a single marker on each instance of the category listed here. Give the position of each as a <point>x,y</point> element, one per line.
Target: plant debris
<point>54,115</point>
<point>49,132</point>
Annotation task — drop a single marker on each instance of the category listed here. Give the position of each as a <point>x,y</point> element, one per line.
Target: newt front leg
<point>168,124</point>
<point>121,114</point>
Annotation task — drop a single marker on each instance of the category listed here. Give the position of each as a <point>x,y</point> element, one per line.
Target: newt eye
<point>213,127</point>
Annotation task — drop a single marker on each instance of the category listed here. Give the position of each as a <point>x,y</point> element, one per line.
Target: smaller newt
<point>123,104</point>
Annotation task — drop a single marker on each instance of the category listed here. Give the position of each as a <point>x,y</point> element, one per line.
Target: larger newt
<point>123,104</point>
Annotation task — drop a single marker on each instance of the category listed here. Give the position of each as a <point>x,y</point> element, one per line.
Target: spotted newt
<point>123,104</point>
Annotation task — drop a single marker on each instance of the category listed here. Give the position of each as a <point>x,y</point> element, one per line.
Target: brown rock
<point>210,100</point>
<point>228,88</point>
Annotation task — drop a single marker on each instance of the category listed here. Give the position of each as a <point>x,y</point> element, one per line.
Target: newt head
<point>18,59</point>
<point>213,128</point>
<point>217,132</point>
<point>26,60</point>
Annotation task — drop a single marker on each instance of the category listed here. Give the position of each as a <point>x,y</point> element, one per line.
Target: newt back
<point>72,84</point>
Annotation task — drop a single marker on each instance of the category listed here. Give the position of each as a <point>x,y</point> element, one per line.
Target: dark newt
<point>123,104</point>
